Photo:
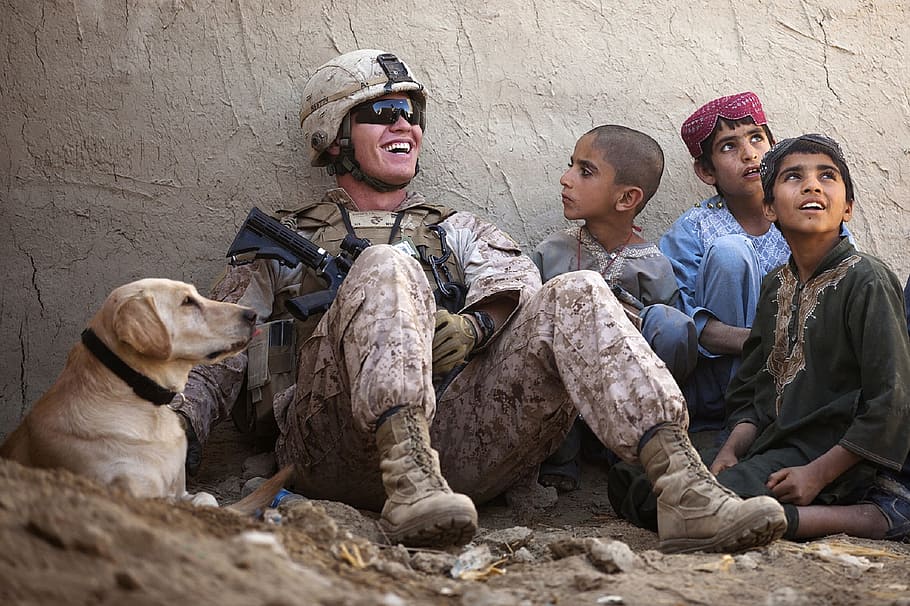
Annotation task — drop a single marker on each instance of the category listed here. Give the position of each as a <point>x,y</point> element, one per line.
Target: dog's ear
<point>137,323</point>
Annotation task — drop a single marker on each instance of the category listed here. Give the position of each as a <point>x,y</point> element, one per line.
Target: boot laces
<point>694,462</point>
<point>419,449</point>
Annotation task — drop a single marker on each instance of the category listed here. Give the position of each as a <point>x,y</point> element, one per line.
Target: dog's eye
<point>190,301</point>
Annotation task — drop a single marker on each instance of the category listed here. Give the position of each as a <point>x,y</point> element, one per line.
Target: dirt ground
<point>65,540</point>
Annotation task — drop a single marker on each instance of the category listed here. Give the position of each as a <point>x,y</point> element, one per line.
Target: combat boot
<point>696,513</point>
<point>420,509</point>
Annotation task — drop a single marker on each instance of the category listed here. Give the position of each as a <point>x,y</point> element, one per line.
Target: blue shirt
<point>687,240</point>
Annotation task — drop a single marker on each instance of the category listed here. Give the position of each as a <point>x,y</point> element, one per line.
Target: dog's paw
<point>202,499</point>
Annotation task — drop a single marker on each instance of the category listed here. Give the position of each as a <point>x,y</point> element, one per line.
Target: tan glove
<point>453,340</point>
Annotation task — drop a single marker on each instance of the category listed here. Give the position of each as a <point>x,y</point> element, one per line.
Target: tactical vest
<point>414,230</point>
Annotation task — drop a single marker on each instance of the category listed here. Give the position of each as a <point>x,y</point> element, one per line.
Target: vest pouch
<point>271,364</point>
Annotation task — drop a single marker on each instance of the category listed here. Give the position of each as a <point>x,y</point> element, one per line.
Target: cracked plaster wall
<point>134,136</point>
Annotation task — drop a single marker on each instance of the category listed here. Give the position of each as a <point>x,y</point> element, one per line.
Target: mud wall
<point>134,136</point>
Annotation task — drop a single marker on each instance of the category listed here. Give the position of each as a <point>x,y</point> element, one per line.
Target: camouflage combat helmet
<point>339,85</point>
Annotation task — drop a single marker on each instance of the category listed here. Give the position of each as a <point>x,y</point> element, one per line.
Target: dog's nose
<point>249,315</point>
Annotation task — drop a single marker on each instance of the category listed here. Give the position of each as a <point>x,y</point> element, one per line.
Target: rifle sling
<point>350,228</point>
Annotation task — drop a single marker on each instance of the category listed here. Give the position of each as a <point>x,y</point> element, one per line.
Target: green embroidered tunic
<point>828,362</point>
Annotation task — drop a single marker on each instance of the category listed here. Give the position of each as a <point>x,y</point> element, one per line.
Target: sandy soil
<point>65,540</point>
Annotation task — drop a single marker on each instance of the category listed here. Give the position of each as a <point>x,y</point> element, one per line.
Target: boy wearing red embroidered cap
<point>721,248</point>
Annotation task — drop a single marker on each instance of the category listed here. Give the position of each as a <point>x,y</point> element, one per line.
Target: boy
<point>821,403</point>
<point>721,248</point>
<point>612,174</point>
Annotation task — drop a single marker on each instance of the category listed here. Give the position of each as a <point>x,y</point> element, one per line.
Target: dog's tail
<point>260,498</point>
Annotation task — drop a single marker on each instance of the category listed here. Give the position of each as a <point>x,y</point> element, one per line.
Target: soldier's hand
<point>453,340</point>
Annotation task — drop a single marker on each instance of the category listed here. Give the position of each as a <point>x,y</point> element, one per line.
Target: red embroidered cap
<point>700,124</point>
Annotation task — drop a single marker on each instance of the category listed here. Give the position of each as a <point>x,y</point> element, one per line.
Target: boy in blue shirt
<point>721,248</point>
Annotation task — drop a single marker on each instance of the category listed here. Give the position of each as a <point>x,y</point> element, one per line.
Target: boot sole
<point>756,530</point>
<point>447,530</point>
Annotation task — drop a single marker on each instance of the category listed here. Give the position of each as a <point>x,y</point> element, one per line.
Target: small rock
<point>432,562</point>
<point>399,553</point>
<point>250,485</point>
<point>612,556</point>
<point>262,539</point>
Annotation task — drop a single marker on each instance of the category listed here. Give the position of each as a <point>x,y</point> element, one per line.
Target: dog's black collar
<point>144,387</point>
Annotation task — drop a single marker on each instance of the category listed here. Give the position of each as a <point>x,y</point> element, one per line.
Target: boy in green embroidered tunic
<point>820,408</point>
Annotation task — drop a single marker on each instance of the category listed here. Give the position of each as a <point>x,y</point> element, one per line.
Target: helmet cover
<point>344,82</point>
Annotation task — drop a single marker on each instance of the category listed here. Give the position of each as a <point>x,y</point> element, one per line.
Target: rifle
<point>262,237</point>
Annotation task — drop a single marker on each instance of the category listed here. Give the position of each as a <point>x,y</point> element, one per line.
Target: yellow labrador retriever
<point>106,416</point>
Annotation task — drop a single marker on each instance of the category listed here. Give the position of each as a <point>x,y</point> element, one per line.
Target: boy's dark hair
<point>636,158</point>
<point>813,143</point>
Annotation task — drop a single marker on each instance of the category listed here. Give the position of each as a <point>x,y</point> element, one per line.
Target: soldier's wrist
<point>485,327</point>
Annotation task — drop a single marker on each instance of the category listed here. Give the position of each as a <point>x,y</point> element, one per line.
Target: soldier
<point>443,372</point>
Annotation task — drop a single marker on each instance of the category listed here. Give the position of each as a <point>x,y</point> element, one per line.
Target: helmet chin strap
<point>345,163</point>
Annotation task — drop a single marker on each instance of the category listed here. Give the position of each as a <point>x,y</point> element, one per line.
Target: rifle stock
<point>261,236</point>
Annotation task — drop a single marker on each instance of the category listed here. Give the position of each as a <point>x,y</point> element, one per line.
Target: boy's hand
<point>796,485</point>
<point>724,460</point>
<point>736,445</point>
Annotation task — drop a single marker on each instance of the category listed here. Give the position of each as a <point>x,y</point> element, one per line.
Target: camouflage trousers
<point>568,349</point>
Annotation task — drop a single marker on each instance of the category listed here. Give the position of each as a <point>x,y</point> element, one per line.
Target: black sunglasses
<point>387,111</point>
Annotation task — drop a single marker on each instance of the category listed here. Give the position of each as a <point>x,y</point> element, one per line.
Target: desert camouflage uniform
<point>566,347</point>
